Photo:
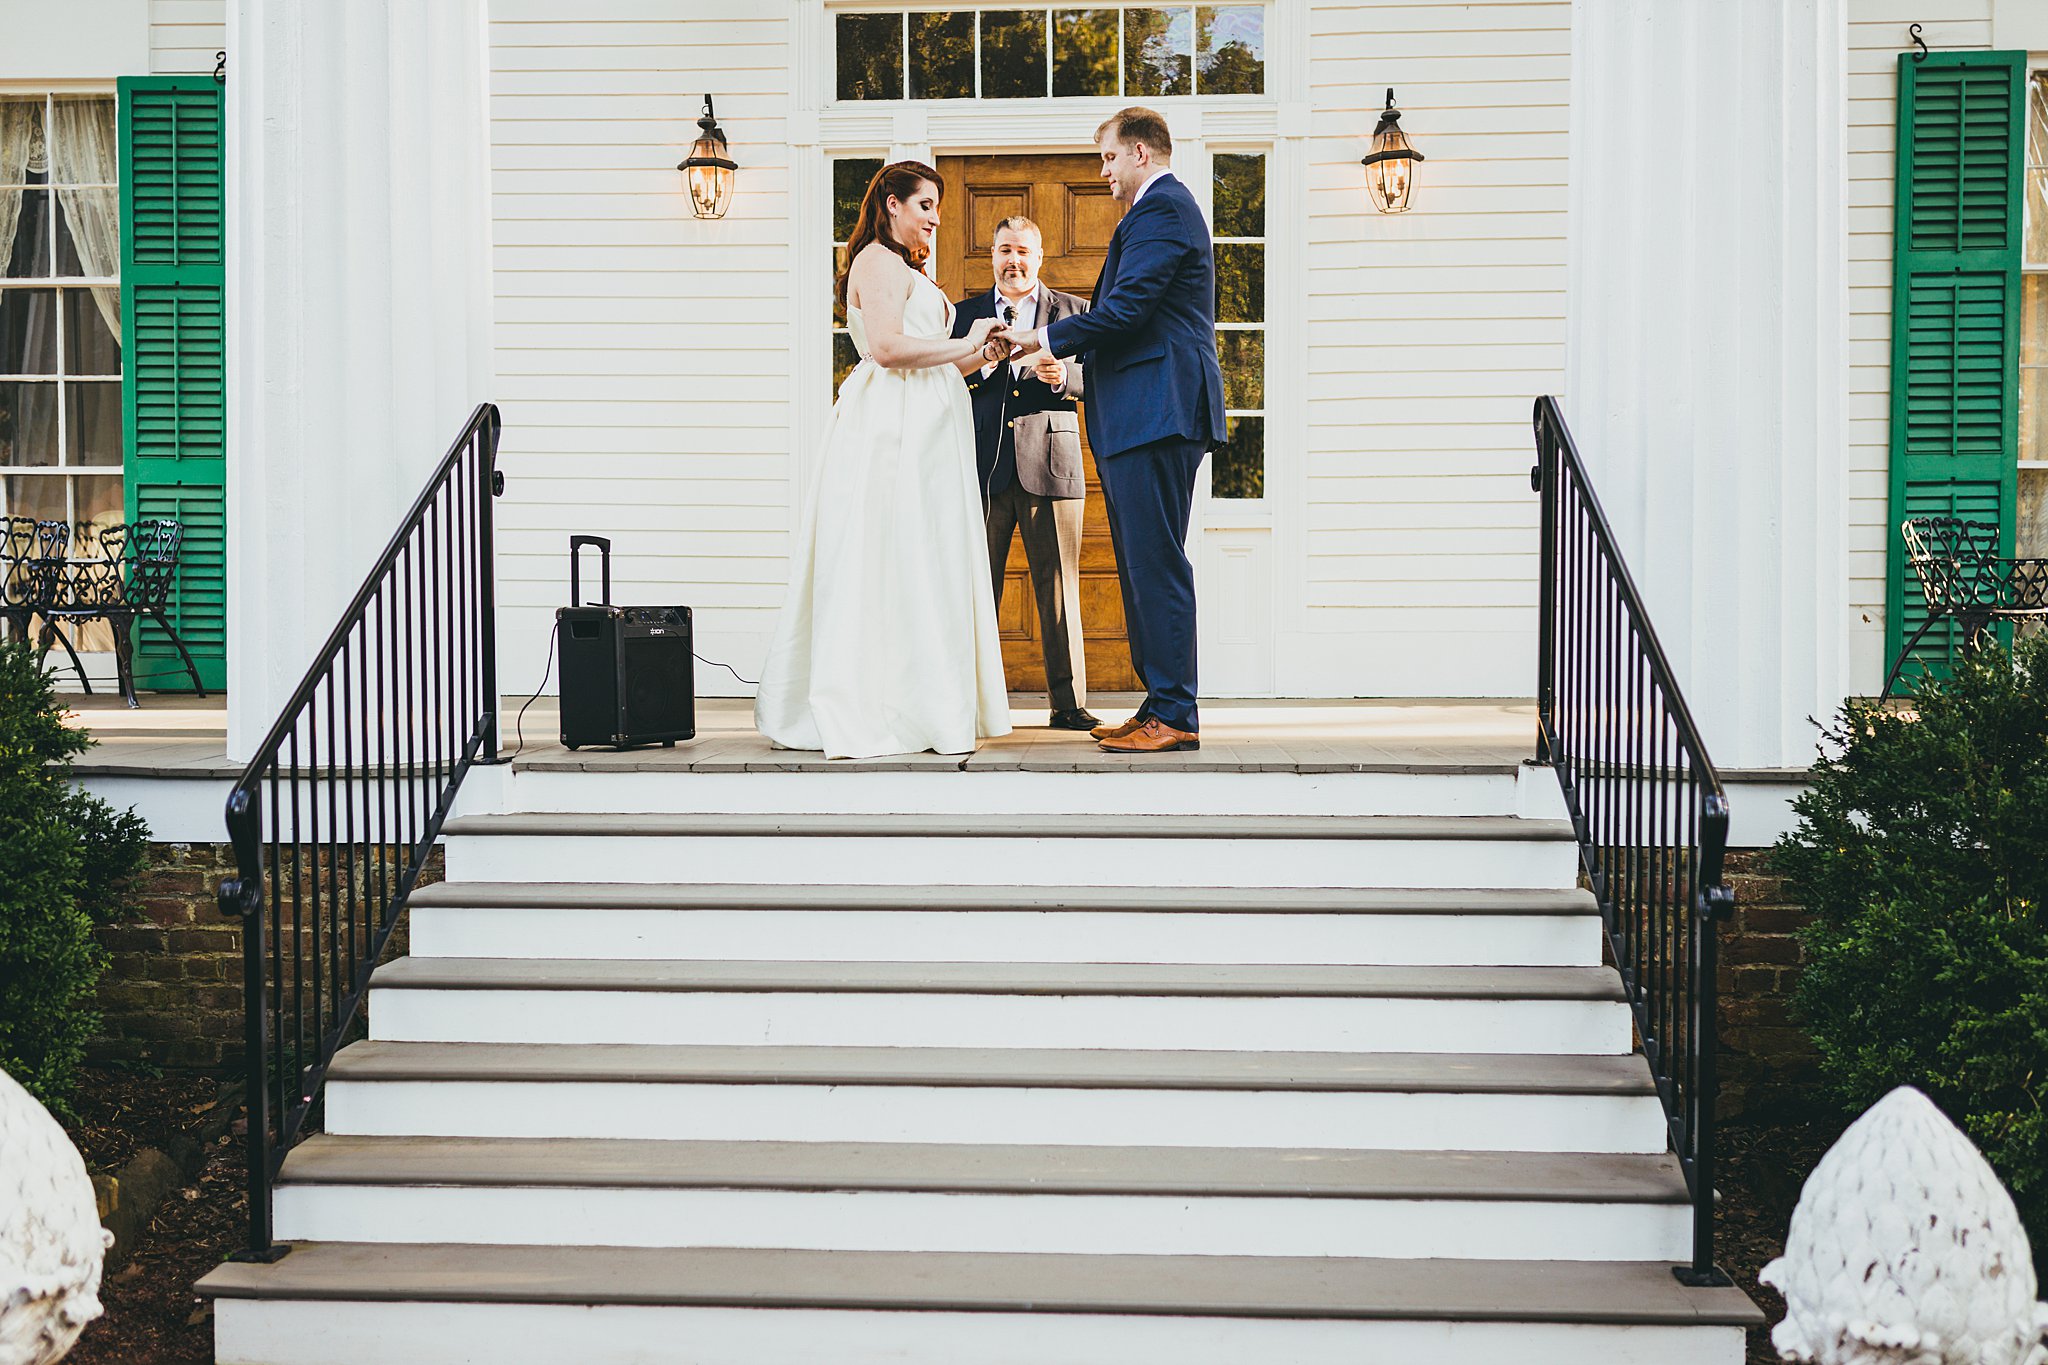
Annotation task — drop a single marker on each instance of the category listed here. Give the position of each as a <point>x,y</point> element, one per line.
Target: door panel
<point>1067,198</point>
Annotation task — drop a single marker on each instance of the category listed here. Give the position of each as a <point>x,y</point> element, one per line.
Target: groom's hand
<point>1022,343</point>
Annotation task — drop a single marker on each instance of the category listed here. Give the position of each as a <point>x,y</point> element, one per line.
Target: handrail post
<point>241,898</point>
<point>1544,476</point>
<point>490,483</point>
<point>1714,904</point>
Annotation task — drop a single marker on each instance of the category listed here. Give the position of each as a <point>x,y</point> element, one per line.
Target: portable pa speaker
<point>628,673</point>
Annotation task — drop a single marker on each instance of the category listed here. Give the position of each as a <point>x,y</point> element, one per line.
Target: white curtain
<point>85,150</point>
<point>17,132</point>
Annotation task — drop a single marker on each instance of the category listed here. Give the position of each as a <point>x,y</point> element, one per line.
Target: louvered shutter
<point>1955,313</point>
<point>172,303</point>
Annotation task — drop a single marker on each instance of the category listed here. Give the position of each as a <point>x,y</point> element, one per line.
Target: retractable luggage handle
<point>604,560</point>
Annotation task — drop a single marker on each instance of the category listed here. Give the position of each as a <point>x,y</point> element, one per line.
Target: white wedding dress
<point>887,641</point>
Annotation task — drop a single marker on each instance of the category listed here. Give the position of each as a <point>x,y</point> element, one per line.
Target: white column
<point>1706,356</point>
<point>359,304</point>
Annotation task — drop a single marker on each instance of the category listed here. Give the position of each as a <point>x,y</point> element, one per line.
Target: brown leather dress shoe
<point>1120,729</point>
<point>1152,738</point>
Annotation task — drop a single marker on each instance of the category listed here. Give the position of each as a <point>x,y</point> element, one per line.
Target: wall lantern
<point>1390,168</point>
<point>708,169</point>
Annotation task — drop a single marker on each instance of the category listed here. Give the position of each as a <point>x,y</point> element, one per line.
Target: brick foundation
<point>172,995</point>
<point>1766,1063</point>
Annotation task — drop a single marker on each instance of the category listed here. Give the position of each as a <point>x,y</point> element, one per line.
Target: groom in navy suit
<point>1155,407</point>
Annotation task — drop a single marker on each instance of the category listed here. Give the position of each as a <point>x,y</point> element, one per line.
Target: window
<point>60,312</point>
<point>2030,524</point>
<point>1133,52</point>
<point>1238,468</point>
<point>850,177</point>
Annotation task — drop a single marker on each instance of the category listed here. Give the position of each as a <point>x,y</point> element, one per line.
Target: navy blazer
<point>1023,430</point>
<point>1150,334</point>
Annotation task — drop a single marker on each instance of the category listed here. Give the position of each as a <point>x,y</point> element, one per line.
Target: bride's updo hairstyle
<point>899,179</point>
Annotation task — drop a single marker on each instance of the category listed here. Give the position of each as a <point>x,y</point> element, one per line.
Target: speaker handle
<point>604,561</point>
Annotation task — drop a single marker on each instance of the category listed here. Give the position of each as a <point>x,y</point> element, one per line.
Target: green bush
<point>67,860</point>
<point>1922,850</point>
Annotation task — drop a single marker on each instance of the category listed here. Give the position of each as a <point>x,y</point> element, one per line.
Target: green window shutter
<point>173,276</point>
<point>1955,313</point>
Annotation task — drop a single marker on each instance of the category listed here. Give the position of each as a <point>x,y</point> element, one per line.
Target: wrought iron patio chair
<point>1964,579</point>
<point>35,567</point>
<point>129,580</point>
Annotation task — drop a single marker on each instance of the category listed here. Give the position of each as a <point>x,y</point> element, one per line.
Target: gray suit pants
<point>1052,548</point>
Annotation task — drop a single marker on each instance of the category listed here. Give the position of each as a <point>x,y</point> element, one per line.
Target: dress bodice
<point>927,315</point>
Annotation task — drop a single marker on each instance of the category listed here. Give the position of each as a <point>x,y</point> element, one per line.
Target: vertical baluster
<point>275,909</point>
<point>298,939</point>
<point>356,786</point>
<point>487,589</point>
<point>408,719</point>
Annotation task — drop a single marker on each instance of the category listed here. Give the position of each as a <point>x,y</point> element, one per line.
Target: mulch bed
<point>152,1316</point>
<point>1763,1167</point>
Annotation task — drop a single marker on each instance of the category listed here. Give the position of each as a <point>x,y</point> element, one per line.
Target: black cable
<point>727,667</point>
<point>519,724</point>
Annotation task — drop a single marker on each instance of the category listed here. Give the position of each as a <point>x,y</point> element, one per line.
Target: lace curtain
<point>17,134</point>
<point>85,150</point>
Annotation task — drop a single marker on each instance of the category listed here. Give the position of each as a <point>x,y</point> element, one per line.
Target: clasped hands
<point>1009,343</point>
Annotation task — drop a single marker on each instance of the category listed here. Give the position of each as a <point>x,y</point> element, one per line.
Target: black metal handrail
<point>1647,805</point>
<point>335,816</point>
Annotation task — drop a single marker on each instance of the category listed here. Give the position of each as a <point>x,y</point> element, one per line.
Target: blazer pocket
<point>1137,356</point>
<point>1063,454</point>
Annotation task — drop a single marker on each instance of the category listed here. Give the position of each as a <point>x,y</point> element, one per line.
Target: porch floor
<point>177,736</point>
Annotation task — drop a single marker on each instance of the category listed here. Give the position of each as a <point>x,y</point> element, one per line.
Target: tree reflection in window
<point>1133,51</point>
<point>1238,212</point>
<point>850,177</point>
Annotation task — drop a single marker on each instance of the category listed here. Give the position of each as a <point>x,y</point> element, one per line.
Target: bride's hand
<point>979,331</point>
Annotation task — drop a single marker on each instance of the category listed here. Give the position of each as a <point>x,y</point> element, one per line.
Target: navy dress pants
<point>1149,494</point>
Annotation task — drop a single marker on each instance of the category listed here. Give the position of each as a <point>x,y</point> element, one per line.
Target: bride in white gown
<point>887,640</point>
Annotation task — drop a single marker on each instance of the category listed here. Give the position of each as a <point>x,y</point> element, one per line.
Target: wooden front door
<point>1068,199</point>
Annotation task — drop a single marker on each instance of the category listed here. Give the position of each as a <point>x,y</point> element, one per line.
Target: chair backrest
<point>153,547</point>
<point>15,552</point>
<point>1956,562</point>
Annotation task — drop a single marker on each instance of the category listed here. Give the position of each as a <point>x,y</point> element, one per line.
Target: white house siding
<point>643,356</point>
<point>184,35</point>
<point>1877,34</point>
<point>1430,333</point>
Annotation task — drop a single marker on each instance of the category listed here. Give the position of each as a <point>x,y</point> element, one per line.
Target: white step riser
<point>251,1332</point>
<point>879,1019</point>
<point>977,860</point>
<point>997,1114</point>
<point>889,1220</point>
<point>1111,795</point>
<point>1007,936</point>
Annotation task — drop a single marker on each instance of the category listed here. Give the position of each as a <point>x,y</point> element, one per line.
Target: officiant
<point>1027,433</point>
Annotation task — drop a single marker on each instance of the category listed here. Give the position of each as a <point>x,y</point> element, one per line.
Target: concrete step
<point>1001,1005</point>
<point>649,781</point>
<point>922,1197</point>
<point>619,920</point>
<point>1107,1097</point>
<point>1018,850</point>
<point>345,1303</point>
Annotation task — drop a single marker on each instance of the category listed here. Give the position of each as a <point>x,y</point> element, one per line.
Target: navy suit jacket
<point>1150,333</point>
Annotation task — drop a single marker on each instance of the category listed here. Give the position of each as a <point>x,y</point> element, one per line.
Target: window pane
<point>2037,217</point>
<point>97,504</point>
<point>89,233</point>
<point>1158,52</point>
<point>2034,367</point>
<point>89,344</point>
<point>1084,51</point>
<point>31,255</point>
<point>850,177</point>
<point>1240,282</point>
<point>1239,468</point>
<point>1240,198</point>
<point>844,358</point>
<point>1243,356</point>
<point>38,496</point>
<point>2030,528</point>
<point>1230,52</point>
<point>1012,54</point>
<point>92,423</point>
<point>28,424</point>
<point>942,56</point>
<point>870,56</point>
<point>2037,172</point>
<point>28,331</point>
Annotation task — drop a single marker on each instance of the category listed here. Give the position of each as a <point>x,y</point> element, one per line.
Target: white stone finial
<point>1906,1250</point>
<point>51,1241</point>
